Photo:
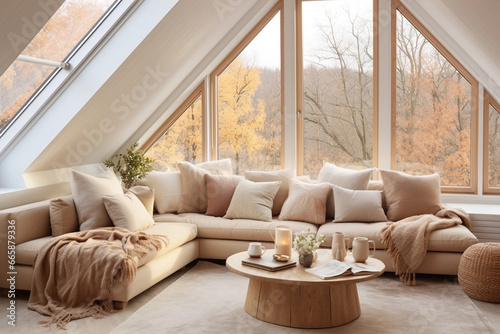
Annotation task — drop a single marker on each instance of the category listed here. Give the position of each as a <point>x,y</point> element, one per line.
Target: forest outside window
<point>491,145</point>
<point>180,138</point>
<point>246,90</point>
<point>337,84</point>
<point>435,109</point>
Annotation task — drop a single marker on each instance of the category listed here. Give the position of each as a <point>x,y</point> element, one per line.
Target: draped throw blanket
<point>406,240</point>
<point>74,273</point>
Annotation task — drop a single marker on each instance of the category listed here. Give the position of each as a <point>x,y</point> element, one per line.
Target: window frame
<point>57,70</point>
<point>213,80</point>
<point>300,87</point>
<point>396,6</point>
<point>487,102</point>
<point>197,93</point>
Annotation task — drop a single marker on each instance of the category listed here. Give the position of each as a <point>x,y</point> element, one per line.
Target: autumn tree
<point>269,91</point>
<point>433,115</point>
<point>240,118</point>
<point>182,141</point>
<point>494,147</point>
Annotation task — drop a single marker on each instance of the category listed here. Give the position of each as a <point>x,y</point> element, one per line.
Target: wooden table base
<point>302,305</point>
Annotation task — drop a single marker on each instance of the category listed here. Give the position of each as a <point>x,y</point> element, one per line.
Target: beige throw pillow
<point>88,191</point>
<point>146,195</point>
<point>284,175</point>
<point>167,188</point>
<point>408,195</point>
<point>253,200</point>
<point>127,211</point>
<point>63,217</point>
<point>220,190</point>
<point>194,194</point>
<point>306,202</point>
<point>358,205</point>
<point>345,178</point>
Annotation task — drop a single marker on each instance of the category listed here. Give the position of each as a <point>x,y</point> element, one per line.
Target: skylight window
<point>58,41</point>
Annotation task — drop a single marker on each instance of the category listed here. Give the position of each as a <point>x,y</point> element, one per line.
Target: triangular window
<point>491,145</point>
<point>434,108</point>
<point>248,100</point>
<point>180,138</point>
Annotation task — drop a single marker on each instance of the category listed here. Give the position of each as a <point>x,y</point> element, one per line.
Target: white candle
<point>283,240</point>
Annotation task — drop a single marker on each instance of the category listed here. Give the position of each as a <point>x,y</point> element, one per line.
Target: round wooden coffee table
<point>294,298</point>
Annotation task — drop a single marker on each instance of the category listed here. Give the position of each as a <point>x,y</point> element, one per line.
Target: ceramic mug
<point>361,249</point>
<point>255,249</point>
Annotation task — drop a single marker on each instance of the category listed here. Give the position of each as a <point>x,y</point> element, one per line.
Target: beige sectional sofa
<point>194,235</point>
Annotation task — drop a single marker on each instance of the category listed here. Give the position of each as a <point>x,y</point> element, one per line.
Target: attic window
<point>60,38</point>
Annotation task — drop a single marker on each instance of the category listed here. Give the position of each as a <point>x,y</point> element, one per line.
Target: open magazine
<point>335,268</point>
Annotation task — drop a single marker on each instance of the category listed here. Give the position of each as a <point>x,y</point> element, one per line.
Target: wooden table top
<point>298,274</point>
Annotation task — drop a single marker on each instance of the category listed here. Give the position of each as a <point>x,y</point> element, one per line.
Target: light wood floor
<point>107,324</point>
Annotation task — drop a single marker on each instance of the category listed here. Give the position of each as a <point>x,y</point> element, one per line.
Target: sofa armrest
<point>28,222</point>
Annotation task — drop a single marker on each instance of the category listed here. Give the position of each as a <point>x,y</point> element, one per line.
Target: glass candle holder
<point>283,241</point>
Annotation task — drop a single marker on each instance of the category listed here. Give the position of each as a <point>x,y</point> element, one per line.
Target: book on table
<point>267,263</point>
<point>335,268</point>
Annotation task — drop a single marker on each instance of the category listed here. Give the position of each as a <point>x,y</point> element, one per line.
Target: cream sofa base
<point>156,270</point>
<point>439,263</point>
<point>147,275</point>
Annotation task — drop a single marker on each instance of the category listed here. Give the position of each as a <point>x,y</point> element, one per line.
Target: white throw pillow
<point>284,175</point>
<point>253,200</point>
<point>345,178</point>
<point>194,190</point>
<point>88,191</point>
<point>127,211</point>
<point>358,205</point>
<point>167,187</point>
<point>306,202</point>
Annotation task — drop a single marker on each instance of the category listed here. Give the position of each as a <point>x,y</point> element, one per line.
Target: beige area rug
<point>210,299</point>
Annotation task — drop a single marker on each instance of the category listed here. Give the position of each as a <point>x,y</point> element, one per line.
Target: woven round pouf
<point>479,272</point>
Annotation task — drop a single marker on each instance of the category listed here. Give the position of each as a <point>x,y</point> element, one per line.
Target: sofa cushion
<point>146,195</point>
<point>63,217</point>
<point>127,211</point>
<point>236,229</point>
<point>178,234</point>
<point>220,190</point>
<point>284,175</point>
<point>358,205</point>
<point>409,195</point>
<point>32,221</point>
<point>454,239</point>
<point>194,196</point>
<point>87,191</point>
<point>253,200</point>
<point>345,178</point>
<point>306,202</point>
<point>26,251</point>
<point>167,188</point>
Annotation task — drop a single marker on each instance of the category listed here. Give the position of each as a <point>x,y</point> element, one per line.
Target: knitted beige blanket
<point>406,240</point>
<point>74,273</point>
